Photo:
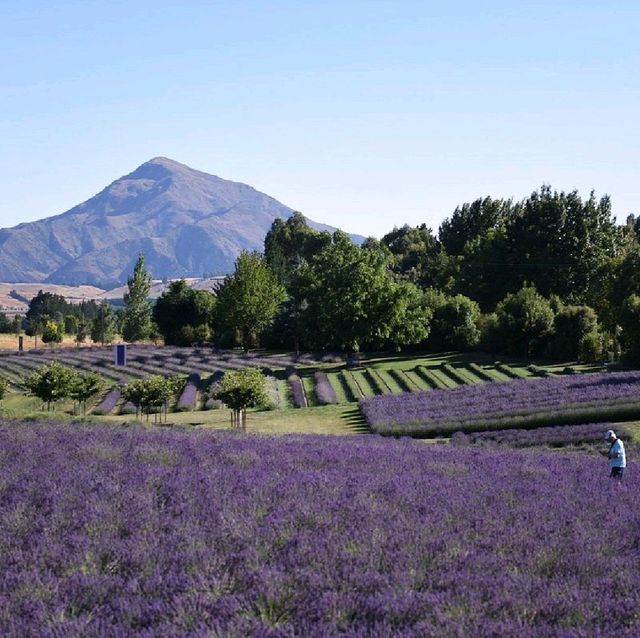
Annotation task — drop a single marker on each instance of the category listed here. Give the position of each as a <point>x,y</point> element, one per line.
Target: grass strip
<point>435,383</point>
<point>376,381</point>
<point>448,382</point>
<point>481,373</point>
<point>402,381</point>
<point>510,372</point>
<point>364,383</point>
<point>352,385</point>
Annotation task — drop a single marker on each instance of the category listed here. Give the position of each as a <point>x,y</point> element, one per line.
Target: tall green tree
<point>104,326</point>
<point>470,221</point>
<point>455,322</point>
<point>525,322</point>
<point>558,242</point>
<point>485,274</point>
<point>136,324</point>
<point>248,301</point>
<point>576,335</point>
<point>350,300</point>
<point>629,318</point>
<point>289,243</point>
<point>418,257</point>
<point>6,324</point>
<point>182,315</point>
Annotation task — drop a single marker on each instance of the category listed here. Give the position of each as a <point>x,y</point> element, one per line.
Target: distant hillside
<point>186,223</point>
<point>15,298</point>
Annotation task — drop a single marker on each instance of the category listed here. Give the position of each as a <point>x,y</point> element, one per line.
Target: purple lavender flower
<point>297,391</point>
<point>108,403</point>
<point>132,531</point>
<point>566,398</point>
<point>187,400</point>
<point>324,390</point>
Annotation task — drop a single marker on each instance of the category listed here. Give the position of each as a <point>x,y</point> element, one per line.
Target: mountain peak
<point>167,162</point>
<point>185,221</point>
<point>159,168</point>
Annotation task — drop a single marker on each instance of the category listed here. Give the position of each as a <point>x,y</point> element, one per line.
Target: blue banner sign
<point>121,354</point>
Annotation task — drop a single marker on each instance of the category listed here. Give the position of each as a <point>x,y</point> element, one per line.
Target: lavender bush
<point>129,408</point>
<point>189,395</point>
<point>297,391</point>
<point>324,390</point>
<point>560,399</point>
<point>554,436</point>
<point>108,403</point>
<point>119,532</point>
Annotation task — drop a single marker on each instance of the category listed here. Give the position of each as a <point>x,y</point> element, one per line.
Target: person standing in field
<point>616,455</point>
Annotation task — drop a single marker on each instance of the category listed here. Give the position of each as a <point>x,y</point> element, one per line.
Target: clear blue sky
<point>362,114</point>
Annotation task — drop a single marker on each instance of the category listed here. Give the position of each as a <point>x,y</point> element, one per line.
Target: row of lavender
<point>521,403</point>
<point>111,531</point>
<point>554,436</point>
<point>144,361</point>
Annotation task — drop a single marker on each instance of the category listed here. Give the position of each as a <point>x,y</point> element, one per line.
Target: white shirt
<point>618,448</point>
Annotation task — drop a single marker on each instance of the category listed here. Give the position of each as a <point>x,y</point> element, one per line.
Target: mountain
<point>184,221</point>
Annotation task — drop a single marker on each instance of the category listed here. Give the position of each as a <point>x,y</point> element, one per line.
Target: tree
<point>470,221</point>
<point>486,275</point>
<point>83,387</point>
<point>71,323</point>
<point>51,331</point>
<point>82,331</point>
<point>525,320</point>
<point>6,325</point>
<point>51,383</point>
<point>17,325</point>
<point>103,327</point>
<point>153,392</point>
<point>418,257</point>
<point>291,242</point>
<point>4,386</point>
<point>350,299</point>
<point>249,299</point>
<point>576,335</point>
<point>34,328</point>
<point>455,322</point>
<point>242,389</point>
<point>558,241</point>
<point>182,315</point>
<point>48,304</point>
<point>629,317</point>
<point>136,324</point>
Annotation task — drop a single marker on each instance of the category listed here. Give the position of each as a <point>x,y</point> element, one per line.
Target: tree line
<point>550,275</point>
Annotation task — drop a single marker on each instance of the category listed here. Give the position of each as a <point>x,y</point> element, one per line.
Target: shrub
<point>189,394</point>
<point>297,391</point>
<point>525,322</point>
<point>108,403</point>
<point>324,390</point>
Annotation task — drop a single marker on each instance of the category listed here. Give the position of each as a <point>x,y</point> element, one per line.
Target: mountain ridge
<point>186,222</point>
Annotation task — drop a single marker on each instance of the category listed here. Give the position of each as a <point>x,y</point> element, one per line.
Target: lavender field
<point>520,403</point>
<point>118,532</point>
